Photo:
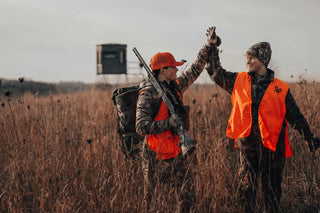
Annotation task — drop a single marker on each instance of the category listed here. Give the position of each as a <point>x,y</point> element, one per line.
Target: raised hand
<point>213,39</point>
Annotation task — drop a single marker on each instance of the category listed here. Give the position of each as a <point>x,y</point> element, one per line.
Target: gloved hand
<point>175,122</point>
<point>213,39</point>
<point>314,143</point>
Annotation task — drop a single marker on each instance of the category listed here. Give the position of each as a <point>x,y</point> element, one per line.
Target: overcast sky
<point>55,40</point>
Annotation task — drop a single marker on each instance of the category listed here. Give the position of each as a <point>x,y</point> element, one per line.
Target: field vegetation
<point>61,153</point>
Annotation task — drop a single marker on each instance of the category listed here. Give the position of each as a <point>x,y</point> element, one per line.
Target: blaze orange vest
<point>164,144</point>
<point>271,112</point>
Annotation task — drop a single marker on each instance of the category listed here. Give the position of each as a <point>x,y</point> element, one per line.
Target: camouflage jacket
<point>259,84</point>
<point>149,101</point>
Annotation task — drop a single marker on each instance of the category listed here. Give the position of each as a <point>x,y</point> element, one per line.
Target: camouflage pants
<point>171,172</point>
<point>269,167</point>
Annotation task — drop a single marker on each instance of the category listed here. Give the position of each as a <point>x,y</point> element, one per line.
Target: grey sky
<point>54,40</point>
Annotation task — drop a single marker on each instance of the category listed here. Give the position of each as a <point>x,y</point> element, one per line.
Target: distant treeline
<point>21,86</point>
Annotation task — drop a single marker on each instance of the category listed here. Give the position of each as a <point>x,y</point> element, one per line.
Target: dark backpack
<point>125,100</point>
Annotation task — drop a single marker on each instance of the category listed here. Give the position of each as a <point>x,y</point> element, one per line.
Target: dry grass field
<point>61,153</point>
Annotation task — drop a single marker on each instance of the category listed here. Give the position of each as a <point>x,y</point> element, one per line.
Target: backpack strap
<point>176,84</point>
<point>156,98</point>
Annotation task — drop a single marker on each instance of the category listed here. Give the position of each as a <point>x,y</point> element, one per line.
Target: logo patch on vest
<point>277,89</point>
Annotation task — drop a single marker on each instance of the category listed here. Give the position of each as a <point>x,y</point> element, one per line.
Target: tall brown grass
<point>61,153</point>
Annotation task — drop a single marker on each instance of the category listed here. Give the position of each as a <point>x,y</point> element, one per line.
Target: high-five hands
<point>213,39</point>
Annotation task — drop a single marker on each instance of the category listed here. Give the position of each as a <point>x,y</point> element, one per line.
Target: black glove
<point>314,143</point>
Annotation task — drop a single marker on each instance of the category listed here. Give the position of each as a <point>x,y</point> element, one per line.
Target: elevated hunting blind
<point>111,59</point>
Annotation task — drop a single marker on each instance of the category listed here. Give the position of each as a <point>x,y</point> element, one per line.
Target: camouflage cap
<point>261,51</point>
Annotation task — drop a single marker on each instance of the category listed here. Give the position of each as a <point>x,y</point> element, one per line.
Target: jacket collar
<point>267,78</point>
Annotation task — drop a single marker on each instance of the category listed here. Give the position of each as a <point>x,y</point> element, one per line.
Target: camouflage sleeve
<point>296,118</point>
<point>145,125</point>
<point>189,76</point>
<point>224,79</point>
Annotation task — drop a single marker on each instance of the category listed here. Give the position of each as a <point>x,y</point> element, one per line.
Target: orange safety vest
<point>271,112</point>
<point>164,144</point>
